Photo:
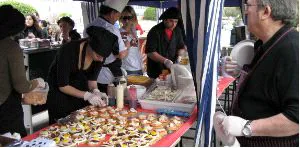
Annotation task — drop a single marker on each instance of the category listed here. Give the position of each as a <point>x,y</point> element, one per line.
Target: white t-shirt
<point>105,76</point>
<point>133,61</point>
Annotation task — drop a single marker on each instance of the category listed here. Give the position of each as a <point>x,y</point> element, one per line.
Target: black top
<point>65,65</point>
<point>74,35</point>
<point>157,41</point>
<point>44,32</point>
<point>273,86</point>
<point>37,32</point>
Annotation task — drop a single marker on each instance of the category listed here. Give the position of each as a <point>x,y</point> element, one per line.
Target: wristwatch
<point>247,129</point>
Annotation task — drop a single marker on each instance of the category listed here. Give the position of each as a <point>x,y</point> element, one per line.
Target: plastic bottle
<point>132,97</point>
<point>120,96</point>
<point>111,94</point>
<point>123,82</point>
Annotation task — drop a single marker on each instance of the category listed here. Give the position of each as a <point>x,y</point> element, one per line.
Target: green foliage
<point>64,14</point>
<point>234,12</point>
<point>150,14</point>
<point>25,9</point>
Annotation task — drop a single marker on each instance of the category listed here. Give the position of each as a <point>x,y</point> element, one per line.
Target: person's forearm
<point>156,57</point>
<point>275,126</point>
<point>72,91</point>
<point>92,85</point>
<point>123,54</point>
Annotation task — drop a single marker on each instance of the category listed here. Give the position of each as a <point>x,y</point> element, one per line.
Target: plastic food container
<point>152,104</point>
<point>140,90</point>
<point>37,97</point>
<point>25,43</point>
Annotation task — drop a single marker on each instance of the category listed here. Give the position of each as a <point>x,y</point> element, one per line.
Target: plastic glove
<point>103,96</point>
<point>227,140</point>
<point>231,67</point>
<point>41,82</point>
<point>92,98</point>
<point>233,125</point>
<point>168,63</point>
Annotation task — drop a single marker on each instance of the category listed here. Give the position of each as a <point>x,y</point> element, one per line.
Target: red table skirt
<point>223,83</point>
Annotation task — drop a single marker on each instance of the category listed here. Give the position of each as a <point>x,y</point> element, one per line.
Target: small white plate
<point>243,52</point>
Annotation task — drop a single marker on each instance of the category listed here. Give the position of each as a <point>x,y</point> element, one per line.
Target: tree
<point>64,14</point>
<point>234,12</point>
<point>150,14</point>
<point>25,9</point>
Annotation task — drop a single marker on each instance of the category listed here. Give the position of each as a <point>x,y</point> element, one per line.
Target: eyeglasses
<point>127,17</point>
<point>246,6</point>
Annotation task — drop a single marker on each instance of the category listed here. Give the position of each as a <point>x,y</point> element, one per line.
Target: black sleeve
<point>94,70</point>
<point>288,83</point>
<point>45,34</point>
<point>64,64</point>
<point>39,33</point>
<point>74,35</point>
<point>152,41</point>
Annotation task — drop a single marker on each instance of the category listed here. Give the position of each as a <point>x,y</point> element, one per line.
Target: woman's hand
<point>93,99</point>
<point>103,96</point>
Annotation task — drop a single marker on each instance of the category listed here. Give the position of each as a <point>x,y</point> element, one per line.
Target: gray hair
<point>285,10</point>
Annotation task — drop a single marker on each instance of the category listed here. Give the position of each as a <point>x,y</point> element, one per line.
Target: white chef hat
<point>116,4</point>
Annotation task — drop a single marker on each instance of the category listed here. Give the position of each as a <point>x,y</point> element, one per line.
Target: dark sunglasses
<point>127,17</point>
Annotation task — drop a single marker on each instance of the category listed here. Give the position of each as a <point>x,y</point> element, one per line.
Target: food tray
<point>161,93</point>
<point>157,104</point>
<point>188,96</point>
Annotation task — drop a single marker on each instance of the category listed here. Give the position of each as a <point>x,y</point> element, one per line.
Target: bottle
<point>132,97</point>
<point>123,82</point>
<point>185,59</point>
<point>120,96</point>
<point>111,94</point>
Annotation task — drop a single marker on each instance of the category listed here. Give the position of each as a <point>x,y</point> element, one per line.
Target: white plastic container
<point>155,104</point>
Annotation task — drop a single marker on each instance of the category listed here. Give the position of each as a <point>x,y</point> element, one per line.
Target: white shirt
<point>105,76</point>
<point>133,61</point>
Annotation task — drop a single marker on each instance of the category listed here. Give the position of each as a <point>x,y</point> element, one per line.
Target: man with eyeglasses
<point>266,109</point>
<point>164,42</point>
<point>110,12</point>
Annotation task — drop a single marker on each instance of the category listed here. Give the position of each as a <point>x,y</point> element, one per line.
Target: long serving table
<point>170,139</point>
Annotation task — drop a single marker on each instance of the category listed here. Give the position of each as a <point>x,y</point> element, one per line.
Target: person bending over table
<point>73,74</point>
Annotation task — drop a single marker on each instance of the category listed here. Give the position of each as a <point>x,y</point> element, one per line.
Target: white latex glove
<point>103,96</point>
<point>233,125</point>
<point>92,98</point>
<point>41,82</point>
<point>231,67</point>
<point>168,63</point>
<point>227,140</point>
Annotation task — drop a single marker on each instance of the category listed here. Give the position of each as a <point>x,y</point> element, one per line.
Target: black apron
<point>60,104</point>
<point>12,116</point>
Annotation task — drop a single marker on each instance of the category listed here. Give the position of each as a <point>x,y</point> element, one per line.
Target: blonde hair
<point>130,10</point>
